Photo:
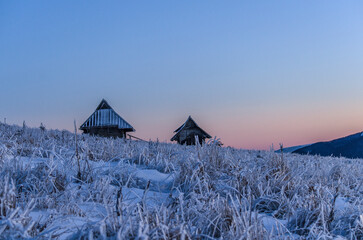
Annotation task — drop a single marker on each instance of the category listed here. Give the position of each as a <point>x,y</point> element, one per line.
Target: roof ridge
<point>182,127</point>
<point>105,115</point>
<point>103,105</point>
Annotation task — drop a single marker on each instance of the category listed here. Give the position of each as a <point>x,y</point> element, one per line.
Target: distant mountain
<point>292,149</point>
<point>350,147</point>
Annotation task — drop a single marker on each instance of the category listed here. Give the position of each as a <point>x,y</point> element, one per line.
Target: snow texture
<point>123,189</point>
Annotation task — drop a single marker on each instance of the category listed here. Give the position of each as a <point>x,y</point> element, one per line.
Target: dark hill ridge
<point>350,147</point>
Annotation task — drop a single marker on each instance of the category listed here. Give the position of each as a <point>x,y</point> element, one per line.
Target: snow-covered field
<point>122,189</point>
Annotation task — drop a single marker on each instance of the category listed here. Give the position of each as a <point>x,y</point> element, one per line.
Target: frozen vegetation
<point>96,188</point>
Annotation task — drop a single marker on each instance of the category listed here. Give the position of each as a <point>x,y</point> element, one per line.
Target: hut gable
<point>106,122</point>
<point>186,133</point>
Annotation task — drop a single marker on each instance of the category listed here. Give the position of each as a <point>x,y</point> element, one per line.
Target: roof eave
<point>174,138</point>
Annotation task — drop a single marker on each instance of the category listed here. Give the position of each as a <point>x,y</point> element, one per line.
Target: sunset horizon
<point>251,74</point>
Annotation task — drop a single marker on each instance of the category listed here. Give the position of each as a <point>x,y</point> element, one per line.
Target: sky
<point>252,73</point>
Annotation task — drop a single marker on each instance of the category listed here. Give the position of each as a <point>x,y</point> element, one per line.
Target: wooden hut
<point>106,122</point>
<point>187,132</point>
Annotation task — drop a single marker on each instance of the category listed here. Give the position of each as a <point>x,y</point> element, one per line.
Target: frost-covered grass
<point>122,189</point>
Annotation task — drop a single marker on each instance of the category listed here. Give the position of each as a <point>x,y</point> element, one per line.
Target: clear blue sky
<point>250,72</point>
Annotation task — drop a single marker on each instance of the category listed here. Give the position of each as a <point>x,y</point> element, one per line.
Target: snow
<point>131,189</point>
<point>341,204</point>
<point>158,181</point>
<point>132,196</point>
<point>273,225</point>
<point>154,176</point>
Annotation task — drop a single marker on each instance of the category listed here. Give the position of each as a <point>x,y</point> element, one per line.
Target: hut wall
<point>187,136</point>
<point>107,132</point>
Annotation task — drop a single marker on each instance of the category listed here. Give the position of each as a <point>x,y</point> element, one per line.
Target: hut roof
<point>105,116</point>
<point>189,124</point>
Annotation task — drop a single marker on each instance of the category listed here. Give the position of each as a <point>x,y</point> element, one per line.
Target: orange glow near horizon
<point>252,74</point>
<point>253,129</point>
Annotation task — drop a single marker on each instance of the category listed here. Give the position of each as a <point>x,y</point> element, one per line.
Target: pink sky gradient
<point>251,73</point>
